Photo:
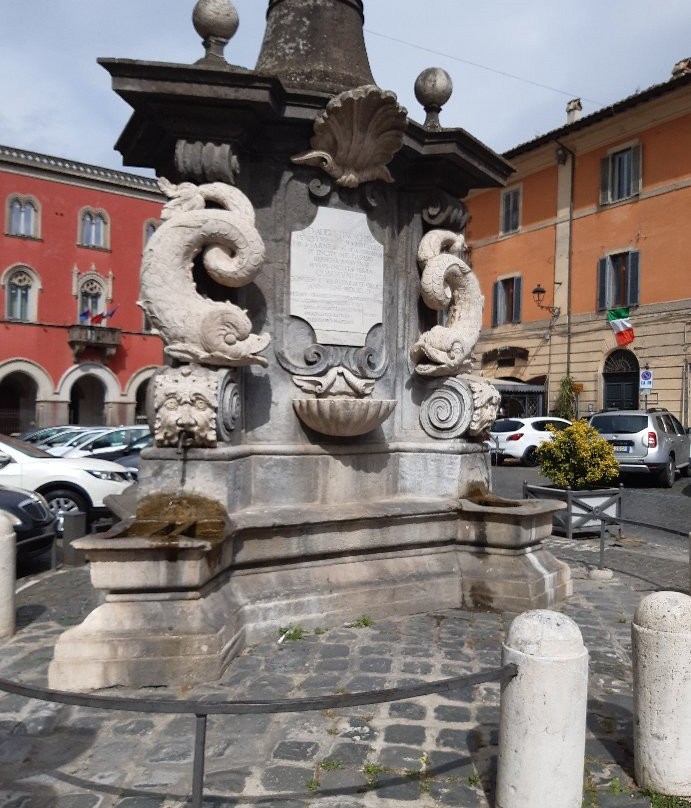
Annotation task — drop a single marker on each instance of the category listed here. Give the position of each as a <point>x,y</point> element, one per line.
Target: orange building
<point>595,218</point>
<point>74,346</point>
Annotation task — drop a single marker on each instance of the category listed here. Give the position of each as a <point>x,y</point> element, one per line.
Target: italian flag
<point>621,325</point>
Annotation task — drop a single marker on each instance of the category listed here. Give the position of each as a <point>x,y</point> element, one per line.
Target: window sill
<point>23,237</point>
<point>613,203</point>
<point>94,247</point>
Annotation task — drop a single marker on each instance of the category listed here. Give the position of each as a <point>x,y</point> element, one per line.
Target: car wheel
<point>530,456</point>
<point>668,474</point>
<point>63,500</point>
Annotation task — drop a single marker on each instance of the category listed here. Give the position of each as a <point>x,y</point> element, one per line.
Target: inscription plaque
<point>337,277</point>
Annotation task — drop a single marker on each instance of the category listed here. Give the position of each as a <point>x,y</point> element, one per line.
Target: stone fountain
<point>317,427</point>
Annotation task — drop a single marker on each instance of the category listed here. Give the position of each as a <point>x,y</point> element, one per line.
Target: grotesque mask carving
<point>186,405</point>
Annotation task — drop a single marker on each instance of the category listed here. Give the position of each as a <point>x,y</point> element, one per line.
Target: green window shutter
<point>632,278</point>
<point>602,284</point>
<point>604,180</point>
<point>636,170</point>
<point>516,314</point>
<point>495,303</point>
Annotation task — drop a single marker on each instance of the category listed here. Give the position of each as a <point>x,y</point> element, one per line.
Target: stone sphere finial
<point>216,22</point>
<point>433,88</point>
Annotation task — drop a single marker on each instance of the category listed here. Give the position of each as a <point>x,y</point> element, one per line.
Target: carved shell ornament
<point>194,328</point>
<point>357,136</point>
<point>448,282</point>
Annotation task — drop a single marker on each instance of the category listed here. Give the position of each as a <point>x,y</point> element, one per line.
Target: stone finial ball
<point>433,87</point>
<point>218,18</point>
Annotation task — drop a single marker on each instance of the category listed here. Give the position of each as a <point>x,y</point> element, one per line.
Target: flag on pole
<point>96,319</point>
<point>621,325</point>
<point>85,316</point>
<point>111,312</point>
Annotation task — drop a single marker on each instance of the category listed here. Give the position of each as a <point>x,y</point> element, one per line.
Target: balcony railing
<point>81,337</point>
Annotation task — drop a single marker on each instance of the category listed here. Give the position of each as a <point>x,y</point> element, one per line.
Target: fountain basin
<point>344,417</point>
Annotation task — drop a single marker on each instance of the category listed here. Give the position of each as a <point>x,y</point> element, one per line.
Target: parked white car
<point>63,443</point>
<point>68,484</point>
<point>520,437</point>
<point>106,445</point>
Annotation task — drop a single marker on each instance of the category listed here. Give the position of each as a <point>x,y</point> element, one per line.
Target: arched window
<point>21,298</point>
<point>91,298</point>
<point>22,217</point>
<point>94,229</point>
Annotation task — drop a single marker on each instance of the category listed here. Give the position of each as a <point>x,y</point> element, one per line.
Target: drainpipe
<point>564,153</point>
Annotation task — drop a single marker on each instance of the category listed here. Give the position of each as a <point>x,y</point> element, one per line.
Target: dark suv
<point>649,441</point>
<point>31,518</point>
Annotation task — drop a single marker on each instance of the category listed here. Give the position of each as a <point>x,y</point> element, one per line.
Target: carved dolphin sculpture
<point>448,282</point>
<point>197,329</point>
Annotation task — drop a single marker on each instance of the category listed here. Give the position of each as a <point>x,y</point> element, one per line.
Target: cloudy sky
<point>514,64</point>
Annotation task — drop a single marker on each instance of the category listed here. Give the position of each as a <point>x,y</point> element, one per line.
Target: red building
<point>74,345</point>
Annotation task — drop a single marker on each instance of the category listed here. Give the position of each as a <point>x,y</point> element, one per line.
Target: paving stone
<point>359,730</point>
<point>397,788</point>
<point>226,781</point>
<point>364,683</point>
<point>350,753</point>
<point>456,793</point>
<point>171,753</point>
<point>139,726</point>
<point>296,750</point>
<point>408,734</point>
<point>14,750</point>
<point>452,713</point>
<point>341,779</point>
<point>375,665</point>
<point>330,665</point>
<point>607,799</point>
<point>417,666</point>
<point>448,765</point>
<point>400,757</point>
<point>14,799</point>
<point>78,801</point>
<point>407,709</point>
<point>287,778</point>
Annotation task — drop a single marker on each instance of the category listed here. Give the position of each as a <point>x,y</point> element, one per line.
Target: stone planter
<point>585,511</point>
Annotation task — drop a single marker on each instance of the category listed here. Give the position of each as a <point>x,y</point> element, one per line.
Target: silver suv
<point>650,441</point>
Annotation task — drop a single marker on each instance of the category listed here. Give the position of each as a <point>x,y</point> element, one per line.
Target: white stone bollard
<point>661,638</point>
<point>8,576</point>
<point>542,714</point>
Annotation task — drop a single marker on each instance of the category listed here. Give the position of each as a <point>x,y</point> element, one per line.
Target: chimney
<point>316,45</point>
<point>681,68</point>
<point>573,110</point>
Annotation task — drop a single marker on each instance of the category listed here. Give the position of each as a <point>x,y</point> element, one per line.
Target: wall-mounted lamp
<point>539,296</point>
<point>561,155</point>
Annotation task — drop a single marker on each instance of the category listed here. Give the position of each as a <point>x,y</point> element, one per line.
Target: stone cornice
<point>19,160</point>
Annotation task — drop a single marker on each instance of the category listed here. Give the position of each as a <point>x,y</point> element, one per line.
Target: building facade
<point>596,218</point>
<point>74,346</point>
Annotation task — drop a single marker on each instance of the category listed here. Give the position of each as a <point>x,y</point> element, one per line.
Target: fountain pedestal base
<point>394,557</point>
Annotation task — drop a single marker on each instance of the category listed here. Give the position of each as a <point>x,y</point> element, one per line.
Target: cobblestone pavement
<point>435,750</point>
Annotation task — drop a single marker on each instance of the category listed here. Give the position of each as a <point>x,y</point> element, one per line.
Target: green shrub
<point>578,457</point>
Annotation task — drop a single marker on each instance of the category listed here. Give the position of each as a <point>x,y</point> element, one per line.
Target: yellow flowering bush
<point>579,457</point>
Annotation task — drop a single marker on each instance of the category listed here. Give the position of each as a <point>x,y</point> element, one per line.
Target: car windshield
<point>621,424</point>
<point>82,437</point>
<point>506,425</point>
<point>24,448</point>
